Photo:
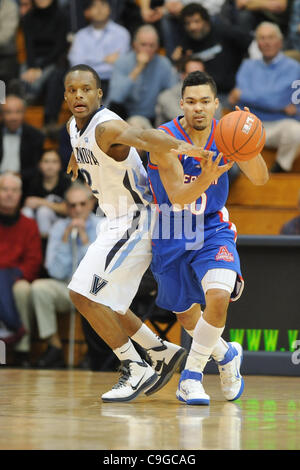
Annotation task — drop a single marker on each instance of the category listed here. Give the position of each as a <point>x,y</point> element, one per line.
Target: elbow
<point>261,180</point>
<point>176,200</point>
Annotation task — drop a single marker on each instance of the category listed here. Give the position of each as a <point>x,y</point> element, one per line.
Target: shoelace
<point>227,374</point>
<point>125,374</point>
<point>194,385</point>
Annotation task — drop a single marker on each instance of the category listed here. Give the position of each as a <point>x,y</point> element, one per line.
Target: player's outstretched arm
<point>172,177</point>
<point>255,169</point>
<point>152,140</point>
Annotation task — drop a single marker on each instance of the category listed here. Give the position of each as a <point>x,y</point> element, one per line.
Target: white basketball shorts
<point>112,269</point>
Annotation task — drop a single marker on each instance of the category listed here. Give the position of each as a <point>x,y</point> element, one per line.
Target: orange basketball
<point>240,135</point>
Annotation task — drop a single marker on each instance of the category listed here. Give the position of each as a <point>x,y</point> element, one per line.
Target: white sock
<point>190,332</point>
<point>146,338</point>
<point>219,350</point>
<point>205,338</point>
<point>127,352</point>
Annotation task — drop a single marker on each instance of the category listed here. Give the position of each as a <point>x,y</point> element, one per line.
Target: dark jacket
<point>32,143</point>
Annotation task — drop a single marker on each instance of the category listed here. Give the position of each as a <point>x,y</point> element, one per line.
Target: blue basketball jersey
<point>188,228</point>
<point>187,243</point>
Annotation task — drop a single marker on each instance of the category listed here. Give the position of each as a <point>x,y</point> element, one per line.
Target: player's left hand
<point>192,151</point>
<point>237,108</point>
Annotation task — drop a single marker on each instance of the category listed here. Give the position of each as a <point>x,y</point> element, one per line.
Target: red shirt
<point>20,247</point>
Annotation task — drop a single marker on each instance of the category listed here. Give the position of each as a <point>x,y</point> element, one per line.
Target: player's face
<point>81,93</point>
<point>199,105</point>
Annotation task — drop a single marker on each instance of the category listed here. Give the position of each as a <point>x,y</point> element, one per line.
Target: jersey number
<point>193,206</point>
<point>88,179</point>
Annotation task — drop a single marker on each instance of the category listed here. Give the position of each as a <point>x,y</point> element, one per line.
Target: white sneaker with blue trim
<point>232,383</point>
<point>190,389</point>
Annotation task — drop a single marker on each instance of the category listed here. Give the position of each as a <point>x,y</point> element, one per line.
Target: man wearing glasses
<point>51,296</point>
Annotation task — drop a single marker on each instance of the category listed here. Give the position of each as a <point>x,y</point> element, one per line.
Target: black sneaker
<point>22,360</point>
<point>136,377</point>
<point>51,359</point>
<point>165,360</point>
<point>276,168</point>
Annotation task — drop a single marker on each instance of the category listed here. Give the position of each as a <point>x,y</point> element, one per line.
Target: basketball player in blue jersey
<point>195,261</point>
<point>107,279</point>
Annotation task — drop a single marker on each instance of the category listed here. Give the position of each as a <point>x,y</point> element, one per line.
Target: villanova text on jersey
<point>85,155</point>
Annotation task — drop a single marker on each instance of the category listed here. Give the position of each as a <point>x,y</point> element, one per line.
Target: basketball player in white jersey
<point>108,277</point>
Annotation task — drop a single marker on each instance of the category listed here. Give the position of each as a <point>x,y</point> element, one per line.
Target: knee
<point>80,302</point>
<point>217,301</point>
<point>39,286</point>
<point>21,288</point>
<point>291,130</point>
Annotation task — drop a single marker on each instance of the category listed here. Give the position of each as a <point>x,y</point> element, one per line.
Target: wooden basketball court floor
<point>62,410</point>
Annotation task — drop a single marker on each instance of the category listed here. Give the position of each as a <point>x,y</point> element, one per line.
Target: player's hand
<point>237,108</point>
<point>185,148</point>
<point>73,167</point>
<point>212,168</point>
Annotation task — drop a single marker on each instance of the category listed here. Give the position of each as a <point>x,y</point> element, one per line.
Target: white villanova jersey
<point>120,187</point>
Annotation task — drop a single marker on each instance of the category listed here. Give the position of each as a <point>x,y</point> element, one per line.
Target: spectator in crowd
<point>139,76</point>
<point>101,43</point>
<point>25,6</point>
<point>215,44</point>
<point>45,33</point>
<point>45,195</point>
<point>9,20</point>
<point>51,296</point>
<point>247,14</point>
<point>170,25</point>
<point>293,35</point>
<point>21,145</point>
<point>265,86</point>
<point>292,227</point>
<point>168,101</point>
<point>20,257</point>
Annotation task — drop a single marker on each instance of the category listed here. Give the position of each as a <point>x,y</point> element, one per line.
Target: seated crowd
<point>142,50</point>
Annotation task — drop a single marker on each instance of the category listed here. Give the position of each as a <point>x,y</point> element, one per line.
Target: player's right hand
<point>212,168</point>
<point>73,167</point>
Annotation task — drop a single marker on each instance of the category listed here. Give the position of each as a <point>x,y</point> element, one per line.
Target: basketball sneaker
<point>164,359</point>
<point>190,389</point>
<point>135,378</point>
<point>232,383</point>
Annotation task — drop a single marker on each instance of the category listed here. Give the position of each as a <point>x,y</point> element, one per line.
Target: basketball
<point>240,136</point>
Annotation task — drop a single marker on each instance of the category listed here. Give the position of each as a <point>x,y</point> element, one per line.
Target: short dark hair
<point>88,3</point>
<point>85,68</point>
<point>193,8</point>
<point>187,59</point>
<point>199,78</point>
